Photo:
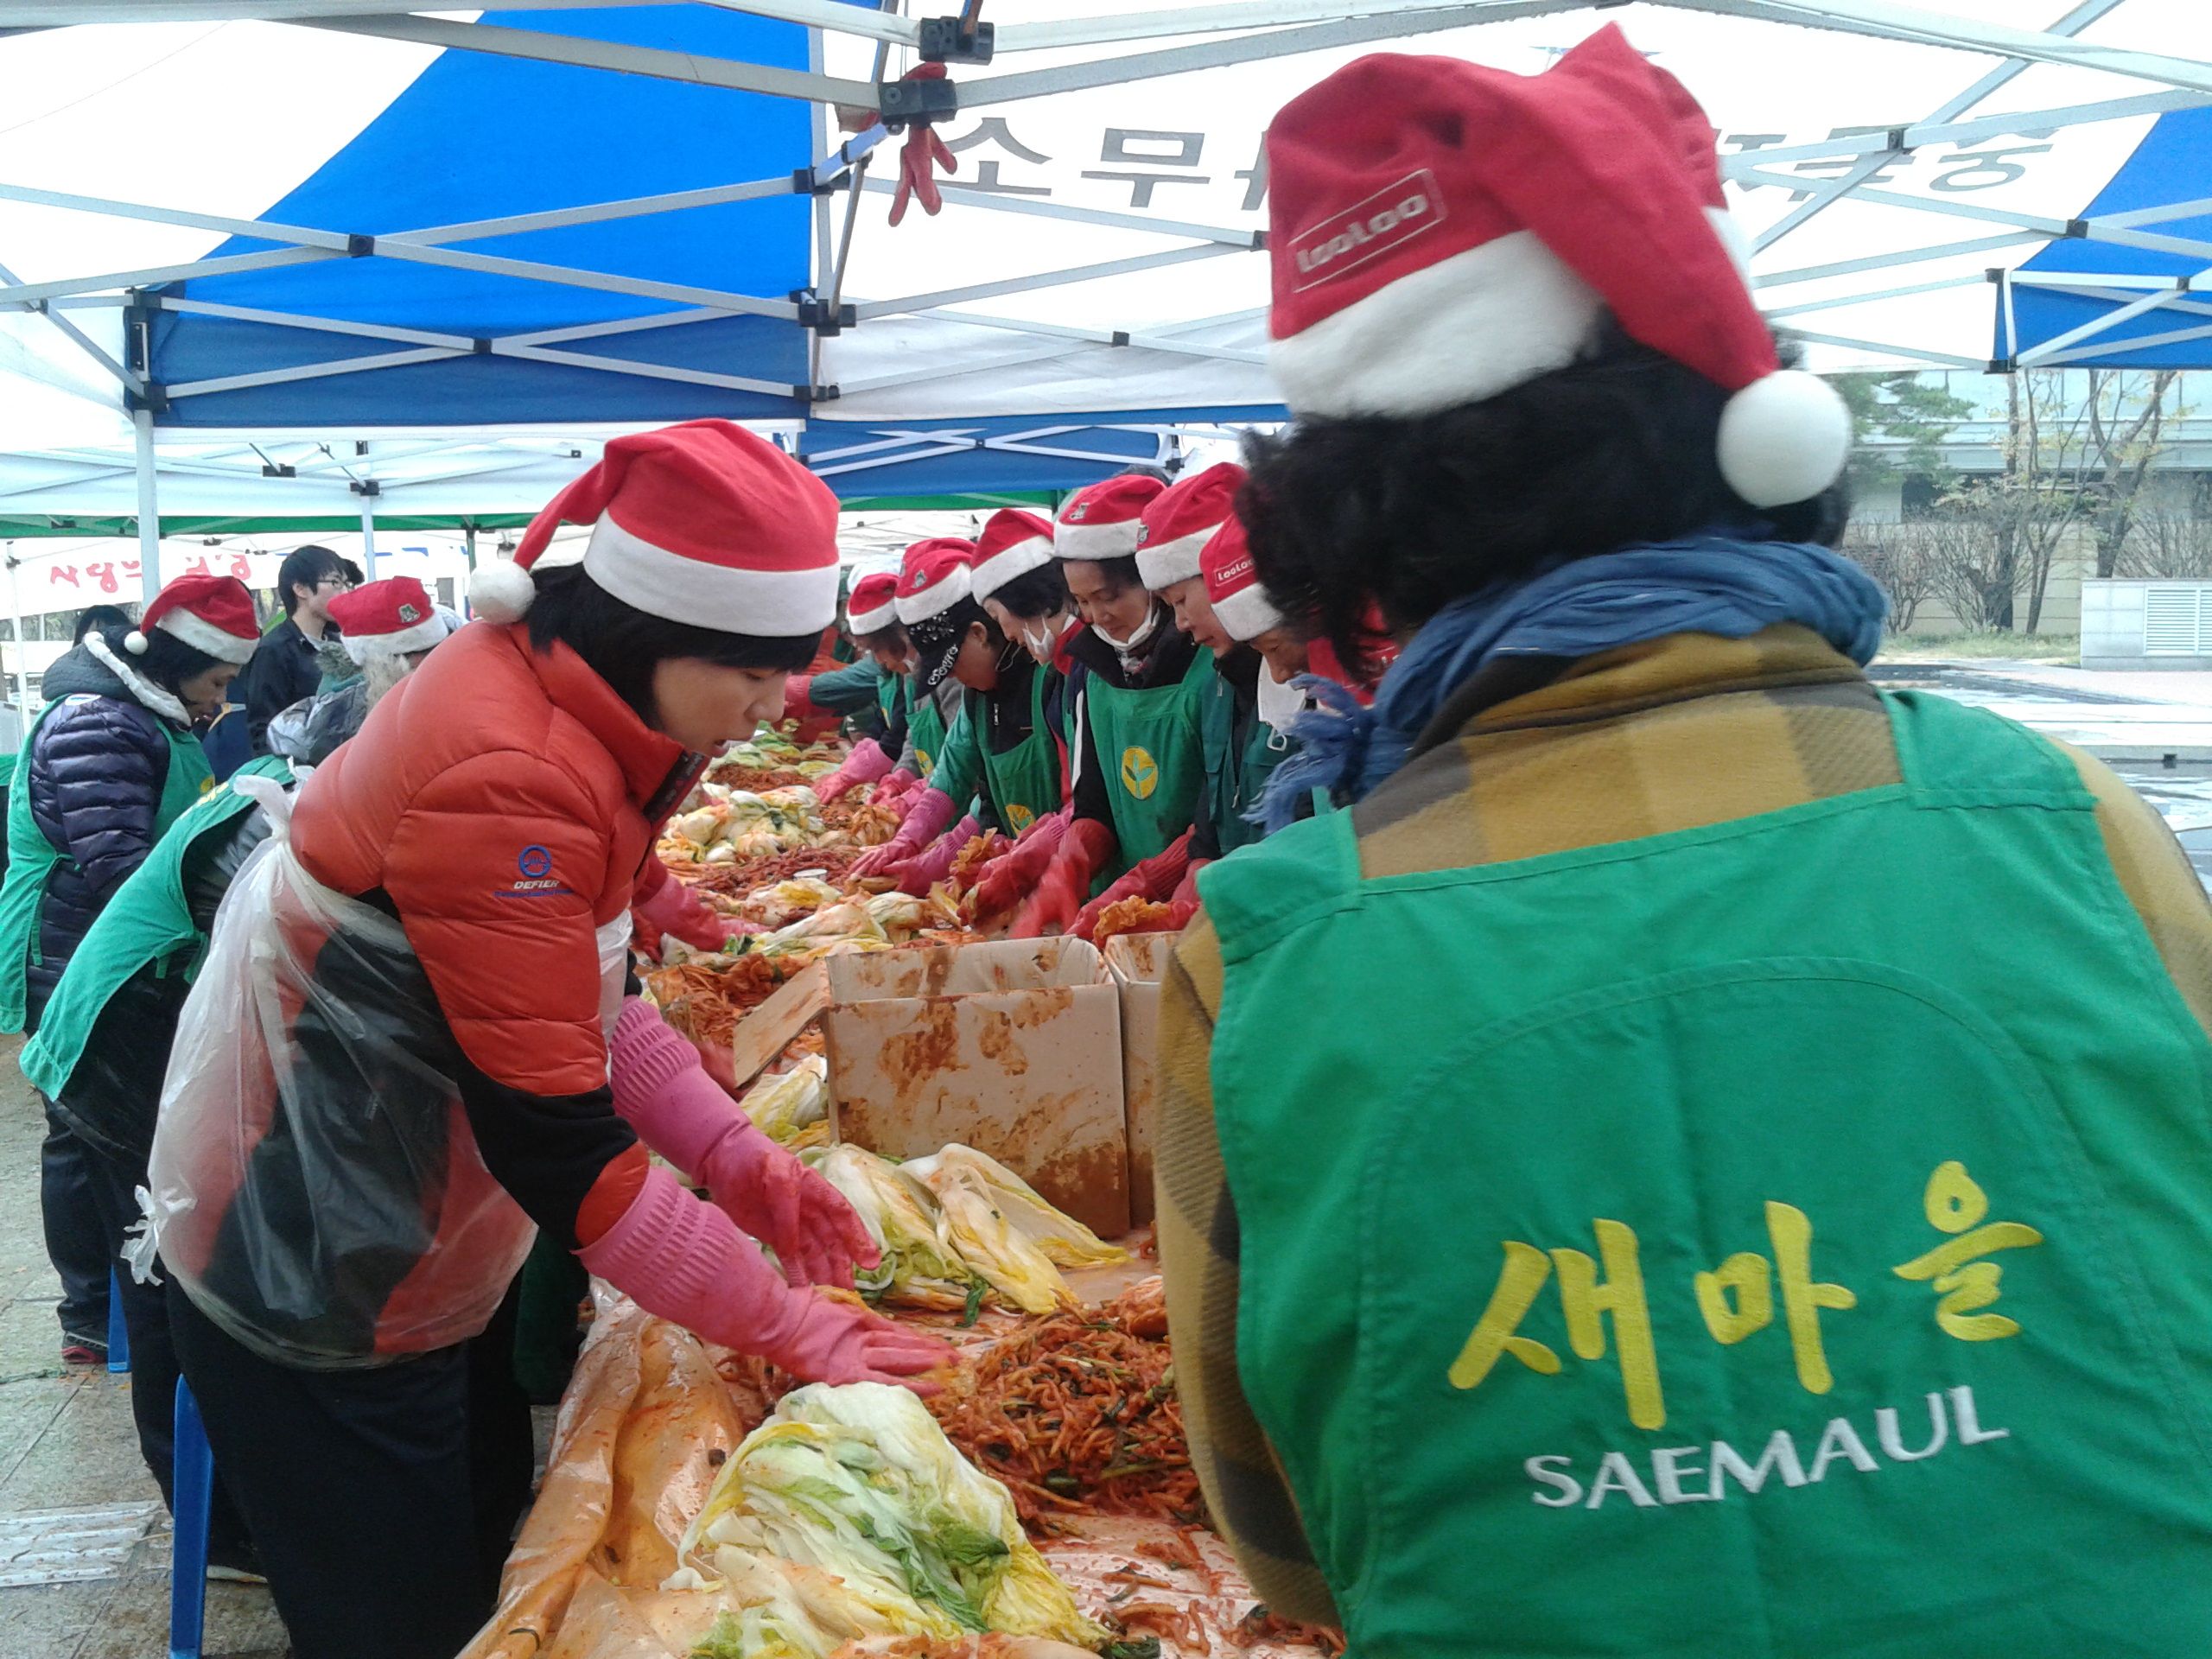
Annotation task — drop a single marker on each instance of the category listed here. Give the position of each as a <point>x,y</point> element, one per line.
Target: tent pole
<point>22,656</point>
<point>369,536</point>
<point>468,543</point>
<point>150,516</point>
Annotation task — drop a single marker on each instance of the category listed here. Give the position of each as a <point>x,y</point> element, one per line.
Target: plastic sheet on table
<point>648,1419</point>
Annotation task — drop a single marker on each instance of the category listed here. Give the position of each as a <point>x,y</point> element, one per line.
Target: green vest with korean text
<point>1785,1239</point>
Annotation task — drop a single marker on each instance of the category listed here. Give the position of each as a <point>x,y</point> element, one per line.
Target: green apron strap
<point>1024,783</point>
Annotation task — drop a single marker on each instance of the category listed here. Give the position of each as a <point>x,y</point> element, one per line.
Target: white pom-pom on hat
<point>501,591</point>
<point>136,643</point>
<point>1784,438</point>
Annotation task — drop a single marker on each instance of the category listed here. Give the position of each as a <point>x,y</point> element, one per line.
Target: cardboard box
<point>1012,1047</point>
<point>1135,964</point>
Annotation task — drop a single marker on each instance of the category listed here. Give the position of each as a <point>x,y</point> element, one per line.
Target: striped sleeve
<point>1246,1492</point>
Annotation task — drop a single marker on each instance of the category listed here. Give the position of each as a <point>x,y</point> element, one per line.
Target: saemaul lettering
<point>1718,1471</point>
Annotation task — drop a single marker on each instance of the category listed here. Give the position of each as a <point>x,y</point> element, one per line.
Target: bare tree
<point>1970,563</point>
<point>2127,414</point>
<point>1896,556</point>
<point>2164,542</point>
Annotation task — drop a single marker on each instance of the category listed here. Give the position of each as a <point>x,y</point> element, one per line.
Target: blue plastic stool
<point>118,1334</point>
<point>192,1487</point>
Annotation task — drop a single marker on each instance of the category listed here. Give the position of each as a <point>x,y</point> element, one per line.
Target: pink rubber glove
<point>663,1093</point>
<point>686,1261</point>
<point>1013,875</point>
<point>917,874</point>
<point>1186,890</point>
<point>673,908</point>
<point>930,815</point>
<point>866,763</point>
<point>894,788</point>
<point>1153,878</point>
<point>1058,897</point>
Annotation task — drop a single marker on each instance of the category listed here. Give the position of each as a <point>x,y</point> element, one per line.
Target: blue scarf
<point>1711,582</point>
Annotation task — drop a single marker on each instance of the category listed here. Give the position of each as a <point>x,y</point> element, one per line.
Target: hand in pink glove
<point>894,789</point>
<point>1152,877</point>
<point>930,815</point>
<point>1013,875</point>
<point>686,1261</point>
<point>662,1091</point>
<point>1052,907</point>
<point>917,874</point>
<point>866,763</point>
<point>674,910</point>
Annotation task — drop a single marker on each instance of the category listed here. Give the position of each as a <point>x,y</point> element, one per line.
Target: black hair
<point>305,567</point>
<point>1041,592</point>
<point>1119,574</point>
<point>892,636</point>
<point>623,645</point>
<point>1614,450</point>
<point>168,662</point>
<point>353,572</point>
<point>102,620</point>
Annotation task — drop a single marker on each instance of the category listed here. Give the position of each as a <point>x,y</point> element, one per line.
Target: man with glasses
<point>285,668</point>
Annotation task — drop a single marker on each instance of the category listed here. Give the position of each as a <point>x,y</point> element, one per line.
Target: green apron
<point>890,690</point>
<point>31,856</point>
<point>1149,744</point>
<point>1024,783</point>
<point>1781,1238</point>
<point>146,922</point>
<point>926,725</point>
<point>1237,772</point>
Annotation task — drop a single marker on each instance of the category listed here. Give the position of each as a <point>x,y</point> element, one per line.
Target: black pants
<point>382,1500</point>
<point>73,1244</point>
<point>112,1181</point>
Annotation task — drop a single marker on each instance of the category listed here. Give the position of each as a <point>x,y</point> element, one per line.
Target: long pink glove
<point>672,907</point>
<point>662,1091</point>
<point>894,788</point>
<point>866,763</point>
<point>686,1261</point>
<point>917,874</point>
<point>931,814</point>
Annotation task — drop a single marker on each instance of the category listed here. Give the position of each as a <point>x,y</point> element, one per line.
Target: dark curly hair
<point>1610,452</point>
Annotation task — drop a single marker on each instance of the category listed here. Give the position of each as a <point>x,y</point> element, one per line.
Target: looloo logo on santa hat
<point>1367,229</point>
<point>1234,571</point>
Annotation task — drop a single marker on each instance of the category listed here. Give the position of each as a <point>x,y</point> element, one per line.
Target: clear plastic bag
<point>316,1187</point>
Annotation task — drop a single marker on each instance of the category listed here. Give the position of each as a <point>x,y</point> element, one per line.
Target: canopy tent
<point>617,214</point>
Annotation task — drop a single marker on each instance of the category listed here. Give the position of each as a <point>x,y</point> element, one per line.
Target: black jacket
<point>97,767</point>
<point>285,668</point>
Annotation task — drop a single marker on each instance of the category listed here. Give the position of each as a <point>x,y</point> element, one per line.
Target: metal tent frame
<point>1165,42</point>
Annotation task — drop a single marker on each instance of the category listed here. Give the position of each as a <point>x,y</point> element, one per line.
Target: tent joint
<point>365,487</point>
<point>154,399</point>
<point>922,102</point>
<point>821,317</point>
<point>957,40</point>
<point>480,346</point>
<point>359,246</point>
<point>2078,229</point>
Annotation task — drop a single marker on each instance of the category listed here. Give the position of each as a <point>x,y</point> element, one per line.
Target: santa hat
<point>1180,519</point>
<point>1440,233</point>
<point>933,577</point>
<point>703,523</point>
<point>1103,520</point>
<point>1013,544</point>
<point>1240,604</point>
<point>870,608</point>
<point>212,615</point>
<point>391,618</point>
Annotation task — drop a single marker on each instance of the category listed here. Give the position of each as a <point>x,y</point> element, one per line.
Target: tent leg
<point>22,656</point>
<point>369,536</point>
<point>150,516</point>
<point>468,545</point>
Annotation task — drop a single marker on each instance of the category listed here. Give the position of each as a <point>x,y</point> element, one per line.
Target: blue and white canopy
<point>333,223</point>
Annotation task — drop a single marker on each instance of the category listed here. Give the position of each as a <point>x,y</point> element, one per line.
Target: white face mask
<point>1038,639</point>
<point>1278,704</point>
<point>1135,641</point>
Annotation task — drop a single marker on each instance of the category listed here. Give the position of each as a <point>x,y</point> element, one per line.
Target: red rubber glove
<point>798,697</point>
<point>1152,877</point>
<point>866,763</point>
<point>1186,890</point>
<point>923,151</point>
<point>917,874</point>
<point>662,1092</point>
<point>669,906</point>
<point>931,814</point>
<point>1087,845</point>
<point>1013,875</point>
<point>686,1261</point>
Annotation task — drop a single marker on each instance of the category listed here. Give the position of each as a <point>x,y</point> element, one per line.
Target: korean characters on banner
<point>1768,1295</point>
<point>63,583</point>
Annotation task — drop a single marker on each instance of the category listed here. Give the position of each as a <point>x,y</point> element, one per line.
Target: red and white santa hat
<point>1240,604</point>
<point>1101,520</point>
<point>390,618</point>
<point>701,522</point>
<point>214,614</point>
<point>1013,543</point>
<point>1440,231</point>
<point>1181,519</point>
<point>872,606</point>
<point>933,577</point>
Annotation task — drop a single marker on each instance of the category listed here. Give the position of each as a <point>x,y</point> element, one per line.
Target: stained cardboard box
<point>1135,963</point>
<point>1012,1047</point>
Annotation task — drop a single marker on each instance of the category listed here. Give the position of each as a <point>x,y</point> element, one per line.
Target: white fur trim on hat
<point>399,642</point>
<point>1247,613</point>
<point>1784,438</point>
<point>203,636</point>
<point>499,590</point>
<point>873,621</point>
<point>162,703</point>
<point>1002,567</point>
<point>935,600</point>
<point>773,603</point>
<point>1163,564</point>
<point>1110,540</point>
